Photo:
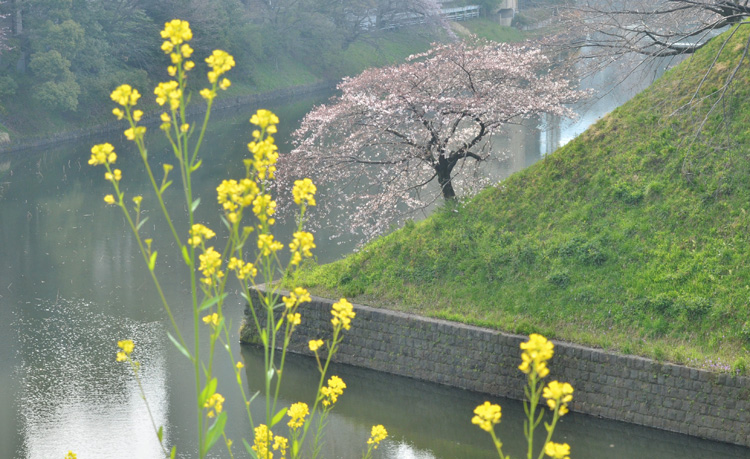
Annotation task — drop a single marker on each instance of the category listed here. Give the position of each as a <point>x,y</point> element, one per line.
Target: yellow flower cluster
<point>304,191</point>
<point>315,344</point>
<point>135,132</point>
<point>267,245</point>
<point>242,269</point>
<point>296,297</point>
<point>264,207</point>
<point>265,152</point>
<point>486,416</point>
<point>198,234</point>
<point>343,313</point>
<point>302,243</point>
<point>71,455</point>
<point>377,434</point>
<point>125,95</point>
<point>536,351</point>
<point>177,32</point>
<point>220,63</point>
<point>294,318</point>
<point>211,319</point>
<point>114,176</point>
<point>102,154</point>
<point>233,195</point>
<point>263,439</point>
<point>557,450</point>
<point>214,405</point>
<point>168,91</point>
<point>331,392</point>
<point>209,266</point>
<point>265,119</point>
<point>558,393</point>
<point>297,413</point>
<point>126,347</point>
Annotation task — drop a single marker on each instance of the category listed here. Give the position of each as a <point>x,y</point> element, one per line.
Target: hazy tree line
<point>64,54</point>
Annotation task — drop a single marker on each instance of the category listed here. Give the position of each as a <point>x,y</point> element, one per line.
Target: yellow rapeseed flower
<point>135,133</point>
<point>210,264</point>
<point>315,344</point>
<point>294,319</point>
<point>118,113</point>
<point>296,297</point>
<point>71,455</point>
<point>177,32</point>
<point>536,351</point>
<point>240,365</point>
<point>558,393</point>
<point>486,416</point>
<point>304,191</point>
<point>280,444</point>
<point>199,233</point>
<point>125,95</point>
<point>102,154</point>
<point>343,313</point>
<point>109,199</point>
<point>302,243</point>
<point>331,392</point>
<point>211,319</point>
<point>224,84</point>
<point>557,450</point>
<point>168,91</point>
<point>297,413</point>
<point>126,348</point>
<point>267,245</point>
<point>220,63</point>
<point>264,118</point>
<point>262,442</point>
<point>215,405</point>
<point>377,434</point>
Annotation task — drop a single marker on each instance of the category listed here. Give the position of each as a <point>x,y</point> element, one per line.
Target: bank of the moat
<point>222,103</point>
<point>641,391</point>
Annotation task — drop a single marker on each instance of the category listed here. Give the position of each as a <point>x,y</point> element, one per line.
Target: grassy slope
<point>632,237</point>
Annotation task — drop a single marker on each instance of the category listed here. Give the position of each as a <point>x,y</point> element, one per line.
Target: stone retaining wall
<point>710,405</point>
<point>219,103</point>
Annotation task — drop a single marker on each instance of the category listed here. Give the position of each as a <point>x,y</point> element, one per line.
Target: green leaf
<point>207,391</point>
<point>196,165</point>
<point>160,434</point>
<point>215,431</point>
<point>173,454</point>
<point>195,204</point>
<point>152,261</point>
<point>186,255</point>
<point>165,186</point>
<point>137,228</point>
<point>249,449</point>
<point>264,337</point>
<point>269,374</point>
<point>179,346</point>
<point>277,417</point>
<point>212,301</point>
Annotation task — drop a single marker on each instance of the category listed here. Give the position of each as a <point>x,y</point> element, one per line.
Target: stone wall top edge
<point>629,360</point>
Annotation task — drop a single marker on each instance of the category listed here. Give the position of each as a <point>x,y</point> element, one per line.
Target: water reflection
<point>75,396</point>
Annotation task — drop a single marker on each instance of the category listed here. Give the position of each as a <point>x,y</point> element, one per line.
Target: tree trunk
<point>444,168</point>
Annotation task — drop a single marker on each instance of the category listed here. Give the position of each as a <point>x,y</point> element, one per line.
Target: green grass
<point>488,29</point>
<point>634,237</point>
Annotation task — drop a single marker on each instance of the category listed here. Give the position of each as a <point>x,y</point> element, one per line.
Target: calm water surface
<point>72,284</point>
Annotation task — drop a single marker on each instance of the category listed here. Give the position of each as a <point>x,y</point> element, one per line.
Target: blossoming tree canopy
<point>397,138</point>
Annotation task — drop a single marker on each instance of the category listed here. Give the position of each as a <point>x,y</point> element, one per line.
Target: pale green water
<point>72,284</point>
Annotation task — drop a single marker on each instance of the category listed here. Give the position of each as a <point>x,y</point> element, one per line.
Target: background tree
<point>393,132</point>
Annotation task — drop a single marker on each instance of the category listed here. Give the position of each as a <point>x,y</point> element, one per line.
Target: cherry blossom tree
<point>398,138</point>
<point>646,37</point>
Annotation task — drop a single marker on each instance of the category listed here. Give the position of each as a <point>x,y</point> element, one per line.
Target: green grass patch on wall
<point>633,237</point>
